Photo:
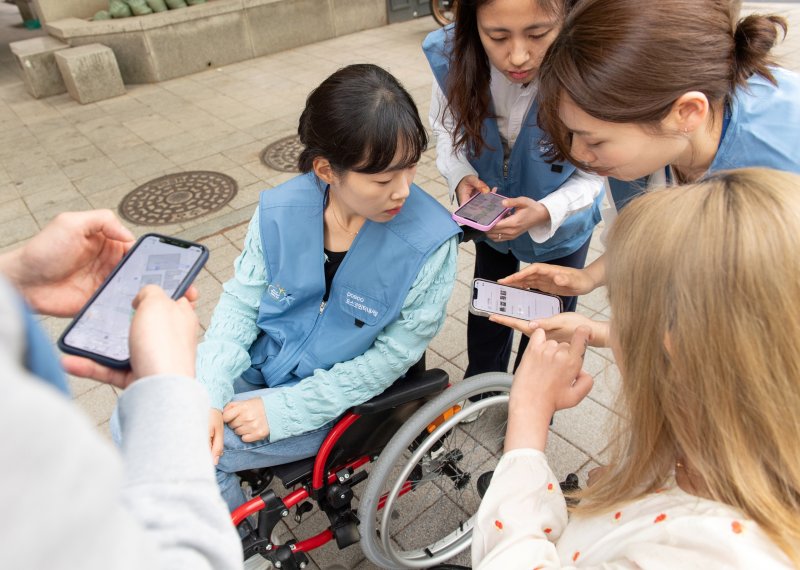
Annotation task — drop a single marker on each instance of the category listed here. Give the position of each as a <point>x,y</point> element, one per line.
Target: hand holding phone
<point>163,341</point>
<point>491,298</point>
<point>482,211</point>
<point>101,330</point>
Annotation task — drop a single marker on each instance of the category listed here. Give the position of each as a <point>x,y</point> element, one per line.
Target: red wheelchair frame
<point>328,479</point>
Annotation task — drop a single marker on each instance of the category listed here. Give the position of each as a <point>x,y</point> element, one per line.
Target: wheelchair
<point>426,462</point>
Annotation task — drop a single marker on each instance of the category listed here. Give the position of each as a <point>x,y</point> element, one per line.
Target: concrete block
<point>278,25</point>
<point>37,64</point>
<point>90,73</point>
<point>52,10</point>
<point>351,16</point>
<point>135,62</point>
<point>125,38</point>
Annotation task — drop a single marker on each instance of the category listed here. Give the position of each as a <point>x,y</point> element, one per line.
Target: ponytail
<point>754,37</point>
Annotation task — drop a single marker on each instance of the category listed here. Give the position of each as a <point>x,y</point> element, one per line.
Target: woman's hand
<point>247,419</point>
<point>468,187</point>
<point>527,213</point>
<point>60,267</point>
<point>559,280</point>
<point>163,340</point>
<point>216,434</point>
<point>560,328</point>
<point>549,378</point>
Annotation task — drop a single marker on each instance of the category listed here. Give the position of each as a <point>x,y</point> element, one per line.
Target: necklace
<point>336,217</point>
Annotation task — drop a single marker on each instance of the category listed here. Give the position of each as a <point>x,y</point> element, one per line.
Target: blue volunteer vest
<point>525,173</point>
<point>763,130</point>
<point>299,333</point>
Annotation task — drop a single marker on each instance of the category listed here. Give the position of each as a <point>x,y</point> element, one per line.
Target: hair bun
<point>754,37</point>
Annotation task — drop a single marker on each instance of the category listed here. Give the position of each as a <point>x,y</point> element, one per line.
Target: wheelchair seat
<point>379,418</point>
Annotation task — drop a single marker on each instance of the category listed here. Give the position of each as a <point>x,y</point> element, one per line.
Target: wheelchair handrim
<point>458,540</point>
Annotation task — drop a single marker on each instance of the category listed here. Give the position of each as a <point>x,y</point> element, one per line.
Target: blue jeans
<point>238,456</point>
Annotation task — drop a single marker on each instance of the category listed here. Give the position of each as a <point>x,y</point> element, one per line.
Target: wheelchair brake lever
<point>302,509</point>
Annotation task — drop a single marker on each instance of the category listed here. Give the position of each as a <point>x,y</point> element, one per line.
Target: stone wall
<point>171,44</point>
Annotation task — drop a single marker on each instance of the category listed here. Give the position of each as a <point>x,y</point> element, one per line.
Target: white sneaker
<point>472,417</point>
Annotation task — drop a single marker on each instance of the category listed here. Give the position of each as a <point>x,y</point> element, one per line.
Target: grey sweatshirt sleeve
<point>170,485</point>
<point>69,500</point>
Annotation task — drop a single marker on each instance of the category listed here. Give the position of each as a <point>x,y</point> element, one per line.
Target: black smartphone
<point>100,331</point>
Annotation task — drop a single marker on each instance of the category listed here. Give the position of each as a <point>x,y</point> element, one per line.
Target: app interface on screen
<point>516,303</point>
<point>483,209</point>
<point>103,328</point>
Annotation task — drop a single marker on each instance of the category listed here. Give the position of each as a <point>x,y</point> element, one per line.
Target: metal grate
<point>176,198</point>
<point>282,155</point>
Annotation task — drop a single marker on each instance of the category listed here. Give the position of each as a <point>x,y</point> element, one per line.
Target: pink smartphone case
<point>474,224</point>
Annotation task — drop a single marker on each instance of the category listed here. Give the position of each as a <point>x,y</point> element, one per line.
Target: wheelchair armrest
<point>405,390</point>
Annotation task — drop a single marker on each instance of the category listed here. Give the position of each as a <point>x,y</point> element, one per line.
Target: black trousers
<point>489,344</point>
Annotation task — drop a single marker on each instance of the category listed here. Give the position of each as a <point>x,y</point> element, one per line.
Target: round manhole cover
<point>176,198</point>
<point>283,154</point>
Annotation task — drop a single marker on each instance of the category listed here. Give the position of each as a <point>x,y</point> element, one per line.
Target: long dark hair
<point>467,90</point>
<point>624,63</point>
<point>358,119</point>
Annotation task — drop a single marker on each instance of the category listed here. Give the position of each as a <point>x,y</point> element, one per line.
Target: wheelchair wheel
<point>443,11</point>
<point>425,482</point>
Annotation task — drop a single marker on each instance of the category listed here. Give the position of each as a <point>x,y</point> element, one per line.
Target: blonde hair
<point>713,271</point>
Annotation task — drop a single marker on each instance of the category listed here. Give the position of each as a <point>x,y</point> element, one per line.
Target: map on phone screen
<point>104,326</point>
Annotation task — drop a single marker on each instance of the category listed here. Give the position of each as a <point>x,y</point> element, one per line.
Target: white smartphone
<point>489,297</point>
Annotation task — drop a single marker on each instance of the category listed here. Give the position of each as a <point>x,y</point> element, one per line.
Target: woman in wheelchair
<point>342,283</point>
<point>705,470</point>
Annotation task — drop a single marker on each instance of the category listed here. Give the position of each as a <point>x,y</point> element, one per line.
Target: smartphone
<point>489,297</point>
<point>482,211</point>
<point>100,331</point>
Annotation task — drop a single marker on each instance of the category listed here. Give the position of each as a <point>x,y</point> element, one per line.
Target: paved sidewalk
<point>57,155</point>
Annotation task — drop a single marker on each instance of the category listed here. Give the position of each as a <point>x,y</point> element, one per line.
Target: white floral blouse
<point>522,524</point>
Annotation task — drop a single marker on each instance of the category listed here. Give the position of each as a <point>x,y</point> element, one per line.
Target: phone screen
<point>483,208</point>
<point>491,297</point>
<point>104,325</point>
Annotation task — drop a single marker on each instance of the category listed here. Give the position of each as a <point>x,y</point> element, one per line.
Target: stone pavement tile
<point>149,168</point>
<point>176,142</point>
<point>583,472</point>
<point>152,127</point>
<point>73,157</point>
<point>98,403</point>
<point>80,167</point>
<point>44,214</point>
<point>586,426</point>
<point>272,130</point>
<point>596,300</point>
<point>263,172</point>
<point>138,153</point>
<point>451,339</point>
<point>17,230</point>
<point>247,196</point>
<point>104,429</point>
<point>13,209</point>
<point>245,153</point>
<point>195,153</point>
<point>462,359</point>
<point>101,181</point>
<point>221,259</point>
<point>237,234</point>
<point>110,198</point>
<point>607,385</point>
<point>79,386</point>
<point>563,457</point>
<point>459,300</point>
